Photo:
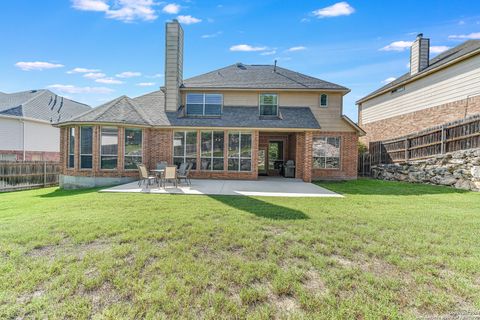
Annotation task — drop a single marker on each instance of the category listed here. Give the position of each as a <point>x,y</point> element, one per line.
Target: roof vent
<point>240,65</point>
<point>275,66</point>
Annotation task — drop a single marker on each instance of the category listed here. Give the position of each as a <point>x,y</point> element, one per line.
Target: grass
<point>386,250</point>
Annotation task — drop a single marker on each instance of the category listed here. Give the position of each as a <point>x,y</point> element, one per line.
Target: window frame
<point>339,138</point>
<point>125,147</point>
<point>260,104</point>
<point>326,100</point>
<point>203,104</point>
<point>80,148</point>
<point>71,155</point>
<point>184,157</point>
<point>212,157</point>
<point>107,155</point>
<point>239,157</point>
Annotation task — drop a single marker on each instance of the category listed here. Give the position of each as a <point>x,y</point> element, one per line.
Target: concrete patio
<point>264,186</point>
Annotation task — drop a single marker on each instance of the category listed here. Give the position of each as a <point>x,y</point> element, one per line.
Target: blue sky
<point>95,50</point>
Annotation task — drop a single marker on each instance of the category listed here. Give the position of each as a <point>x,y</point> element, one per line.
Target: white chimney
<point>173,64</point>
<point>419,54</point>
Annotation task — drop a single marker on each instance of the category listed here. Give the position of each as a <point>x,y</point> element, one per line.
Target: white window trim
<point>211,150</point>
<point>80,149</point>
<point>339,155</point>
<point>124,147</point>
<point>69,145</point>
<point>260,104</point>
<point>203,105</point>
<point>184,157</point>
<point>320,102</point>
<point>240,158</point>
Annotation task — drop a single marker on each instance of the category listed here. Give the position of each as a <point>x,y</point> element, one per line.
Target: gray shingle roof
<point>149,110</point>
<point>440,60</point>
<point>41,105</point>
<point>258,77</point>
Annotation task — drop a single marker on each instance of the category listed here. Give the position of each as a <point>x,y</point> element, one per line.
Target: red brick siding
<point>419,120</point>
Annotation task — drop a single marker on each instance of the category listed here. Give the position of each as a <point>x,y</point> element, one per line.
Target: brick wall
<point>419,120</point>
<point>348,158</point>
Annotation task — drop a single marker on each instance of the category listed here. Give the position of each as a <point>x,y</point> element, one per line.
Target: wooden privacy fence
<point>17,175</point>
<point>454,136</point>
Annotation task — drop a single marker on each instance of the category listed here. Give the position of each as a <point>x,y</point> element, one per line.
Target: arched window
<point>323,100</point>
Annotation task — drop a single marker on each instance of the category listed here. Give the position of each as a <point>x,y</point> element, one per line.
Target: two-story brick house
<point>237,122</point>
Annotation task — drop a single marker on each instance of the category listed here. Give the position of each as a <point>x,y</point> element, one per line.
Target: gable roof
<point>464,49</point>
<point>243,76</point>
<point>41,105</point>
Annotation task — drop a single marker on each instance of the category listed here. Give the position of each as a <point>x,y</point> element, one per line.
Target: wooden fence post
<point>442,141</point>
<point>44,173</point>
<point>407,145</point>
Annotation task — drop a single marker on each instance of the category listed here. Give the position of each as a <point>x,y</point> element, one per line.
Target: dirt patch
<point>67,248</point>
<point>101,297</point>
<point>314,283</point>
<point>344,262</point>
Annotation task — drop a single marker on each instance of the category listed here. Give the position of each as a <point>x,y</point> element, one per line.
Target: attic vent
<point>240,66</point>
<point>33,91</point>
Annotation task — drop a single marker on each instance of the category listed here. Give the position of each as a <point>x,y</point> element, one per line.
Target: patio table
<point>159,173</point>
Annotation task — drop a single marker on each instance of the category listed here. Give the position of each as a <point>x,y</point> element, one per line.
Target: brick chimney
<point>173,64</point>
<point>419,54</point>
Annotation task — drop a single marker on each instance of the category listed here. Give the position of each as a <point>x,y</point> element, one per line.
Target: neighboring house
<point>237,122</point>
<point>436,91</point>
<point>26,118</point>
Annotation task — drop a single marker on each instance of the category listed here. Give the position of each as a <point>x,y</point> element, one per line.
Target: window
<point>204,104</point>
<point>133,148</point>
<point>239,151</point>
<point>323,100</point>
<point>109,148</point>
<point>86,139</point>
<point>185,148</point>
<point>71,147</point>
<point>211,152</point>
<point>268,104</point>
<point>326,153</point>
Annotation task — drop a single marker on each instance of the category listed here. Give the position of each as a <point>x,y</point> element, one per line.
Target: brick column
<point>121,150</point>
<point>255,147</point>
<point>77,150</point>
<point>307,157</point>
<point>96,149</point>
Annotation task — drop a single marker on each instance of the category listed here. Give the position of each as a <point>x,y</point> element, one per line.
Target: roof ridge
<point>140,112</point>
<point>36,95</point>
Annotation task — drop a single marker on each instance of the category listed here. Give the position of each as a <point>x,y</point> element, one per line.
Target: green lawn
<point>387,249</point>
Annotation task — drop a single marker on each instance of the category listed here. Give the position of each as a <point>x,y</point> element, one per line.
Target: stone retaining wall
<point>459,169</point>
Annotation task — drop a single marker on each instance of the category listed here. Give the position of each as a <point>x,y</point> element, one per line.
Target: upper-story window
<point>204,104</point>
<point>323,100</point>
<point>268,104</point>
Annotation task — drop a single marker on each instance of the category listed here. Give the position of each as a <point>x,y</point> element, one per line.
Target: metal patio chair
<point>144,177</point>
<point>186,175</point>
<point>170,175</point>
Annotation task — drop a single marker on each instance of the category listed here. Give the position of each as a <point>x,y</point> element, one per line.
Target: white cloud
<point>128,74</point>
<point>338,9</point>
<point>246,48</point>
<point>109,81</point>
<point>212,35</point>
<point>268,53</point>
<point>91,5</point>
<point>438,49</point>
<point>82,70</point>
<point>188,19</point>
<point>388,80</point>
<point>94,75</point>
<point>157,75</point>
<point>473,35</point>
<point>146,84</point>
<point>298,48</point>
<point>37,65</point>
<point>171,8</point>
<point>123,10</point>
<point>397,46</point>
<point>71,89</point>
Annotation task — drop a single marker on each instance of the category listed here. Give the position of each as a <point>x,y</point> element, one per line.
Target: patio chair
<point>170,175</point>
<point>144,177</point>
<point>186,175</point>
<point>161,165</point>
<point>183,168</point>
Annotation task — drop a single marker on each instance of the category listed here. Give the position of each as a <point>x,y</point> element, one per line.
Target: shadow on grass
<point>368,186</point>
<point>68,193</point>
<point>261,208</point>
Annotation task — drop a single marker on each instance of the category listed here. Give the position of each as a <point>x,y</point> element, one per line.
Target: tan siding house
<point>447,88</point>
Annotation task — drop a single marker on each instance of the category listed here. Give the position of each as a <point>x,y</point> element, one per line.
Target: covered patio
<point>264,186</point>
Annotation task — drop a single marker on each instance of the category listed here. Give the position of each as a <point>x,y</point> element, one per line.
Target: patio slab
<point>264,186</point>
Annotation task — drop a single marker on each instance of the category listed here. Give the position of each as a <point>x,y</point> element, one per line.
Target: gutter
<point>418,76</point>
